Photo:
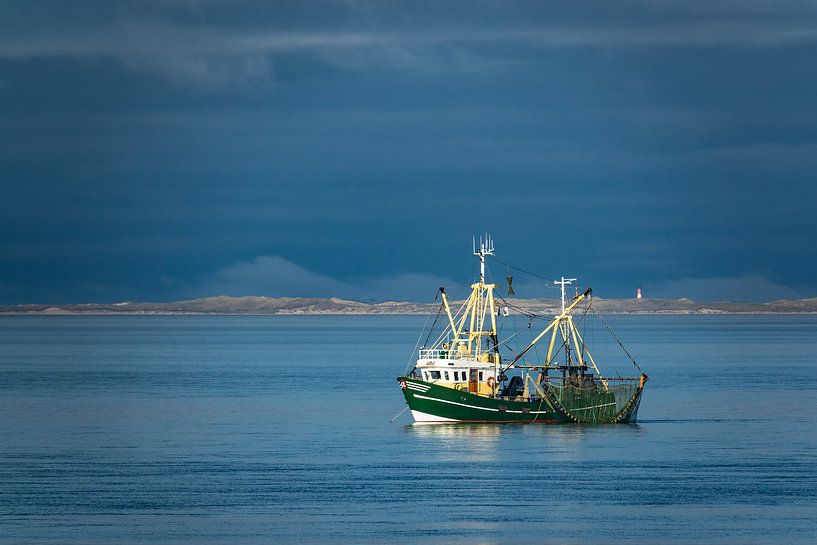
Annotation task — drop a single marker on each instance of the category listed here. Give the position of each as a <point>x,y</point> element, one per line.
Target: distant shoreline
<point>312,306</point>
<point>292,314</point>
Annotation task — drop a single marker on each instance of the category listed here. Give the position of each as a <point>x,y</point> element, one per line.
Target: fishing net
<point>598,401</point>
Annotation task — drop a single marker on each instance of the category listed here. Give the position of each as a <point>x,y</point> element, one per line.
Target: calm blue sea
<point>244,430</point>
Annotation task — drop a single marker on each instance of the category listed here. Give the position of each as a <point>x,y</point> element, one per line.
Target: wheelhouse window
<point>480,375</point>
<point>435,375</point>
<point>446,375</point>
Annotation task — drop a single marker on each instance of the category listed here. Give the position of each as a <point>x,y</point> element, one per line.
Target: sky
<point>158,151</point>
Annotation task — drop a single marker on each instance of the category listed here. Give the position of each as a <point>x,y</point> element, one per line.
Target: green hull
<point>560,405</point>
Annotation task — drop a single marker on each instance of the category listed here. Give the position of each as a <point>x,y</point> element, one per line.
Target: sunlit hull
<point>430,403</point>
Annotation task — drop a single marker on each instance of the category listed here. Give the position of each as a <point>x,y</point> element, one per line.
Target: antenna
<point>486,247</point>
<point>564,282</point>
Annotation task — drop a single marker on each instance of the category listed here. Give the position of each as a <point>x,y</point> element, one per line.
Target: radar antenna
<point>486,247</point>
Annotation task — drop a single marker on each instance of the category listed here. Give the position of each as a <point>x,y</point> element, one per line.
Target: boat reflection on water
<point>460,442</point>
<point>490,442</point>
<point>423,429</point>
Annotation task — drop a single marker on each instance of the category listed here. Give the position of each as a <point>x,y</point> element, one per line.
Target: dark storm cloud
<point>149,148</point>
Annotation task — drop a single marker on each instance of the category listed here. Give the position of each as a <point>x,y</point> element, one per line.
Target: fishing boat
<point>463,377</point>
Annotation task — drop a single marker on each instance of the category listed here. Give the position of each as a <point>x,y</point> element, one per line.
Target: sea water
<point>276,430</point>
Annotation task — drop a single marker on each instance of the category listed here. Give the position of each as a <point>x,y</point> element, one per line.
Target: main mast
<point>478,318</point>
<point>565,325</point>
<point>482,303</point>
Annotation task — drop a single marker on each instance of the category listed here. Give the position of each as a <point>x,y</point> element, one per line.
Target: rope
<point>468,278</point>
<point>457,316</point>
<point>398,414</point>
<point>417,344</point>
<point>521,310</point>
<point>430,331</point>
<point>520,269</point>
<point>632,359</point>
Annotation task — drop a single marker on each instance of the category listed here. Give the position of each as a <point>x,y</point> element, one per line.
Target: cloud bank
<point>184,45</point>
<point>750,288</point>
<point>274,276</point>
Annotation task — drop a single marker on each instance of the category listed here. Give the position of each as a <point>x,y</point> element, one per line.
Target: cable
<point>522,310</point>
<point>430,331</point>
<point>417,344</point>
<point>619,342</point>
<point>520,269</point>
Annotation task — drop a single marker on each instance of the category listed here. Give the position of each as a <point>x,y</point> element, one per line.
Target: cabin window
<point>480,375</point>
<point>446,375</point>
<point>435,375</point>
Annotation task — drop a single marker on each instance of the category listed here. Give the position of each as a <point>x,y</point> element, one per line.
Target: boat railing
<point>438,354</point>
<point>443,354</point>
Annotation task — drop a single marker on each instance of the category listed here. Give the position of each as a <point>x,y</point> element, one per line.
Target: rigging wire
<point>439,311</point>
<point>498,330</point>
<point>535,316</point>
<point>522,310</point>
<point>398,414</point>
<point>468,278</point>
<point>530,315</point>
<point>457,315</point>
<point>632,359</point>
<point>508,340</point>
<point>417,344</point>
<point>520,269</point>
<point>437,317</point>
<point>564,343</point>
<point>519,310</point>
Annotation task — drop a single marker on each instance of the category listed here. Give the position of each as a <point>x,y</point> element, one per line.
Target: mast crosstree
<point>564,282</point>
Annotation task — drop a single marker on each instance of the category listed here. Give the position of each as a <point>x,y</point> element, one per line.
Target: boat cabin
<point>476,377</point>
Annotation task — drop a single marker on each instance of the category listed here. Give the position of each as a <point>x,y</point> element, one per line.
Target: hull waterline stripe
<point>474,406</point>
<point>433,420</point>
